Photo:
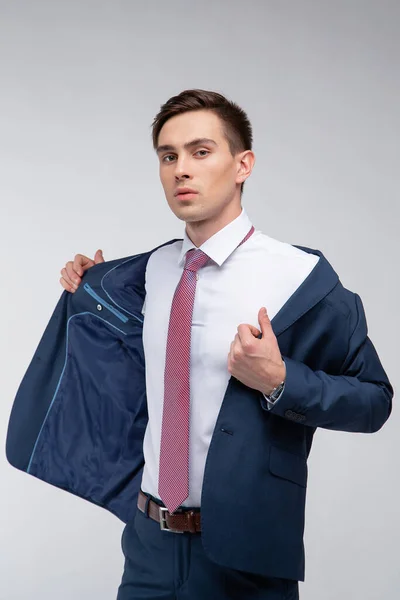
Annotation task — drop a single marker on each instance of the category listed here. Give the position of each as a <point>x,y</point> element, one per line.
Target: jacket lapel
<point>313,289</point>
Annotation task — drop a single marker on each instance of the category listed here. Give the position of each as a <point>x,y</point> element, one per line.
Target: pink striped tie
<point>173,482</point>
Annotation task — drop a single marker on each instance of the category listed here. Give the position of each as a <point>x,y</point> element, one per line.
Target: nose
<point>181,169</point>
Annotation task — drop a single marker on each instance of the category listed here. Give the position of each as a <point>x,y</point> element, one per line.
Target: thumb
<point>98,257</point>
<point>264,321</point>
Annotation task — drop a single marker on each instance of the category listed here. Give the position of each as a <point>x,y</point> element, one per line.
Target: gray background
<point>80,84</point>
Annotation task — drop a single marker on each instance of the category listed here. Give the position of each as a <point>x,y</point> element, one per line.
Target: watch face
<point>276,392</point>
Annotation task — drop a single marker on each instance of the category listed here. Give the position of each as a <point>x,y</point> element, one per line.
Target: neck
<point>200,231</point>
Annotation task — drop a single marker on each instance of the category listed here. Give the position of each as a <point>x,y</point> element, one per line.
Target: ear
<point>246,161</point>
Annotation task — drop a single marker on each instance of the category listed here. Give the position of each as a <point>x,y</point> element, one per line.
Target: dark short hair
<point>235,122</point>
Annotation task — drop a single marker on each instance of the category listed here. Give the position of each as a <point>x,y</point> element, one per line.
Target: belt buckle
<point>163,522</point>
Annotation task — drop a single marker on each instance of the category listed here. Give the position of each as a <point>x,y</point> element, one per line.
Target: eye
<point>167,156</point>
<point>171,155</point>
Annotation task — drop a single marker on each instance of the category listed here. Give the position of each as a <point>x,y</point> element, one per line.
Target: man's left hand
<point>257,362</point>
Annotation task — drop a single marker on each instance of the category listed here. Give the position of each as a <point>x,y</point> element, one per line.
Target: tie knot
<point>195,259</point>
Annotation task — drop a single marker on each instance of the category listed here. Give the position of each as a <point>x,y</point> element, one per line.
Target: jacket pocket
<point>103,302</point>
<point>288,465</point>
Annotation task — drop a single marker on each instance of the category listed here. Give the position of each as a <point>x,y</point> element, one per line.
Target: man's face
<point>206,167</point>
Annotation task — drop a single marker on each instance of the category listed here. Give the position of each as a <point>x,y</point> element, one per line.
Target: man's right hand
<point>74,270</point>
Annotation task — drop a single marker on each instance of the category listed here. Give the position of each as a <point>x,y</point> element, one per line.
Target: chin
<point>184,208</point>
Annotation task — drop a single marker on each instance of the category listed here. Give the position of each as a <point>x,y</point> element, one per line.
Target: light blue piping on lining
<point>61,376</point>
<point>123,262</point>
<point>116,312</point>
<point>105,291</point>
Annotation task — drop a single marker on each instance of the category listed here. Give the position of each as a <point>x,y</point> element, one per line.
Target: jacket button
<point>99,307</point>
<point>295,416</point>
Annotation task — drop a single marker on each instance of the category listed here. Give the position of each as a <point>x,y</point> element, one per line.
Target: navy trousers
<point>162,565</point>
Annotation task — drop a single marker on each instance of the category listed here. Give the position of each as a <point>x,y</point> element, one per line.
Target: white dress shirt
<point>230,290</point>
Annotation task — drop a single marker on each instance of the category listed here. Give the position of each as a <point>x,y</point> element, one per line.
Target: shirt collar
<point>220,245</point>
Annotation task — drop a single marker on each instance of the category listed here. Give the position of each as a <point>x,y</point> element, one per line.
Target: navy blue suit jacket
<point>80,412</point>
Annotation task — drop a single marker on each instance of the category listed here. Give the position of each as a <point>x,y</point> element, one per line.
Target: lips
<point>186,196</point>
<point>184,191</point>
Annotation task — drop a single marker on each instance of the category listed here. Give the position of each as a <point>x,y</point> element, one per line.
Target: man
<point>164,392</point>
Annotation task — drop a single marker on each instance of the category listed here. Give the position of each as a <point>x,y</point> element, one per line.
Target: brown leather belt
<point>180,522</point>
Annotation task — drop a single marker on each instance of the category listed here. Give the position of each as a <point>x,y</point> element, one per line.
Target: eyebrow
<point>196,142</point>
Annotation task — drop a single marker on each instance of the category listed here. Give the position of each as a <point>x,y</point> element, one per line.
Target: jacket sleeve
<point>358,399</point>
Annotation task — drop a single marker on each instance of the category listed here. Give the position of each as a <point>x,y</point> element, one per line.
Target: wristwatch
<point>276,392</point>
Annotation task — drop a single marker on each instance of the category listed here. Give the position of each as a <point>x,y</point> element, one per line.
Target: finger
<point>229,357</point>
<point>254,331</point>
<point>246,334</point>
<point>82,263</point>
<point>237,347</point>
<point>98,257</point>
<point>71,275</point>
<point>66,285</point>
<point>67,278</point>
